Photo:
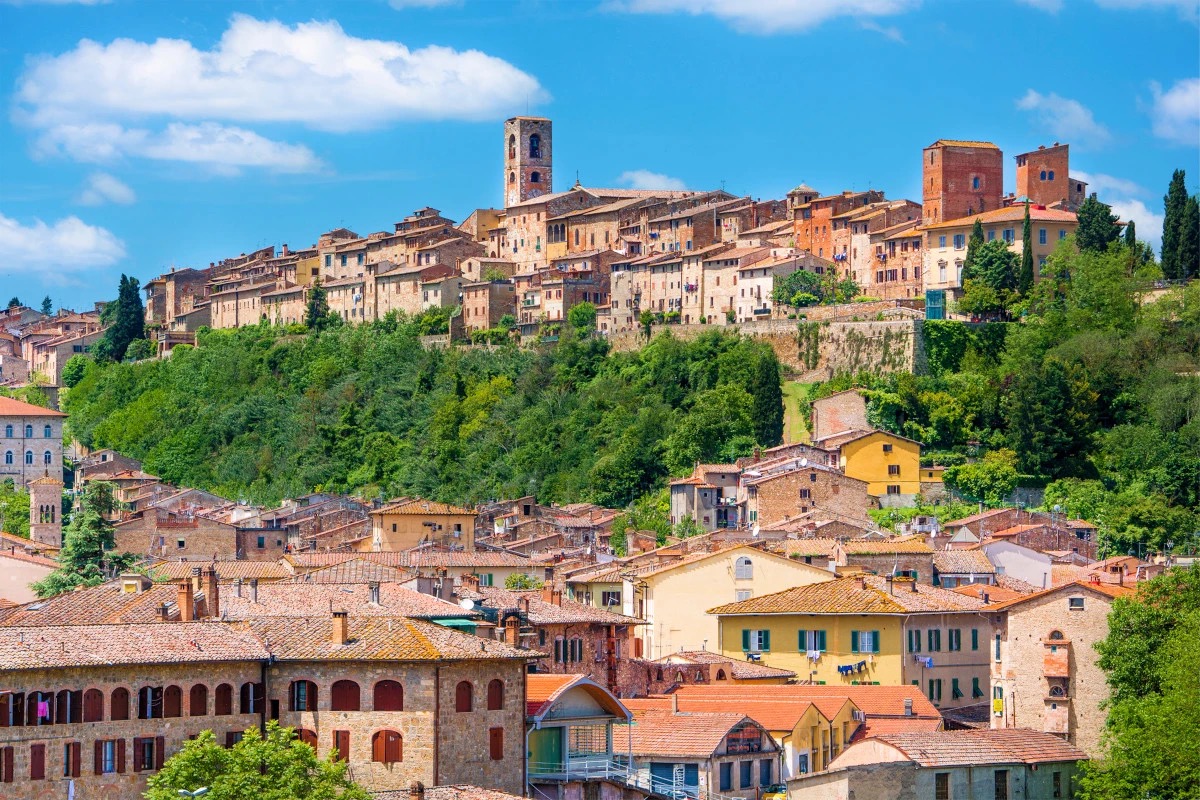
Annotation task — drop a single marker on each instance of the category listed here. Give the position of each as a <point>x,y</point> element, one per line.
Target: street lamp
<point>203,790</point>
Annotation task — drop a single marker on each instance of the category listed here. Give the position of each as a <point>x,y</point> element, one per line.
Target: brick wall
<point>804,490</point>
<point>201,538</point>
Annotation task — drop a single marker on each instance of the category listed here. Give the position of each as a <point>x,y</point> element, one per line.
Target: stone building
<point>30,442</point>
<point>960,179</point>
<point>756,281</point>
<point>773,492</point>
<point>408,522</point>
<point>898,261</point>
<point>814,227</point>
<point>1044,177</point>
<point>485,302</point>
<point>1045,671</point>
<point>838,413</point>
<point>528,158</point>
<point>45,510</point>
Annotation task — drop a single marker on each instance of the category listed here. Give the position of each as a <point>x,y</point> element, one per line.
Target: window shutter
<point>853,641</point>
<point>341,742</point>
<point>745,639</point>
<point>974,638</point>
<point>875,643</point>
<point>821,640</point>
<point>120,755</point>
<point>99,750</point>
<point>766,639</point>
<point>496,743</point>
<point>8,765</point>
<point>37,762</point>
<point>379,747</point>
<point>76,758</point>
<point>159,751</point>
<point>802,638</point>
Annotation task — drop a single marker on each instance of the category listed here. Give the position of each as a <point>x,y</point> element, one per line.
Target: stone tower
<point>528,158</point>
<point>961,179</point>
<point>45,510</point>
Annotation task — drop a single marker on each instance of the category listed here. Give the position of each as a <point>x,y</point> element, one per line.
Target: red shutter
<point>6,771</point>
<point>99,757</point>
<point>37,762</point>
<point>341,742</point>
<point>160,746</point>
<point>393,749</point>
<point>76,753</point>
<point>496,743</point>
<point>378,747</point>
<point>120,755</point>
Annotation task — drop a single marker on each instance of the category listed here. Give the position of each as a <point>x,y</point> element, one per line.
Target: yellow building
<point>866,630</point>
<point>890,464</point>
<point>671,592</point>
<point>409,522</point>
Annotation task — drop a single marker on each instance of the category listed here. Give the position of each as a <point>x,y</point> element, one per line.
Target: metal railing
<point>603,768</point>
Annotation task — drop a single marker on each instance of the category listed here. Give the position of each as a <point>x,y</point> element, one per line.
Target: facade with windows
<point>30,442</point>
<point>571,736</point>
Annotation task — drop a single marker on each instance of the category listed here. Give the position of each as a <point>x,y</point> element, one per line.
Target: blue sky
<point>141,135</point>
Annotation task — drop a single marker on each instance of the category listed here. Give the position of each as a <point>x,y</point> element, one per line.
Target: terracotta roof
<point>996,594</point>
<point>103,604</point>
<point>1015,529</point>
<point>1007,214</point>
<point>544,613</point>
<point>17,408</point>
<point>866,547</point>
<point>414,558</point>
<point>1109,590</point>
<point>799,548</point>
<point>874,701</point>
<point>963,143</point>
<point>876,727</point>
<point>963,561</point>
<point>977,747</point>
<point>358,570</point>
<point>374,639</point>
<point>541,691</point>
<point>774,715</point>
<point>288,599</point>
<point>418,507</point>
<point>957,523</point>
<point>105,645</point>
<point>227,571</point>
<point>1016,584</point>
<point>739,669</point>
<point>847,596</point>
<point>29,558</point>
<point>683,735</point>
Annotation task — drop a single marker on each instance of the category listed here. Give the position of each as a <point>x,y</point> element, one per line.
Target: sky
<point>138,136</point>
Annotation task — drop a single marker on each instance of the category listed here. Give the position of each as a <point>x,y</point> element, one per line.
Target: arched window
<point>389,696</point>
<point>119,704</point>
<point>8,431</point>
<point>1042,176</point>
<point>658,674</point>
<point>1056,634</point>
<point>251,698</point>
<point>495,696</point>
<point>8,456</point>
<point>46,458</point>
<point>39,708</point>
<point>512,177</point>
<point>172,702</point>
<point>535,177</point>
<point>150,702</point>
<point>512,145</point>
<point>28,458</point>
<point>387,747</point>
<point>743,569</point>
<point>93,705</point>
<point>28,431</point>
<point>68,707</point>
<point>302,696</point>
<point>464,696</point>
<point>344,696</point>
<point>46,432</point>
<point>223,700</point>
<point>720,674</point>
<point>535,146</point>
<point>679,677</point>
<point>307,736</point>
<point>1050,175</point>
<point>1057,691</point>
<point>198,700</point>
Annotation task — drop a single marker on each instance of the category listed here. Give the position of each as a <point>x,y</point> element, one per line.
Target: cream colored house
<point>409,522</point>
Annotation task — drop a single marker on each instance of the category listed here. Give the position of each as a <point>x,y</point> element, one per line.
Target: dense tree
<point>767,391</point>
<point>650,512</point>
<point>87,557</point>
<point>520,582</point>
<point>1025,275</point>
<point>991,480</point>
<point>974,242</point>
<point>803,288</point>
<point>15,302</point>
<point>582,316</point>
<point>275,767</point>
<point>1097,225</point>
<point>47,305</point>
<point>14,509</point>
<point>126,321</point>
<point>1174,207</point>
<point>74,370</point>
<point>1189,239</point>
<point>1131,235</point>
<point>139,349</point>
<point>317,311</point>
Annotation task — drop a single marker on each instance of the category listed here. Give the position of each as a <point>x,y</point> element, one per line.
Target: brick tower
<point>1043,175</point>
<point>528,158</point>
<point>960,179</point>
<point>45,510</point>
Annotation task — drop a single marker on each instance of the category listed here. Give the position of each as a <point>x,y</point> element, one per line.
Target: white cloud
<point>69,245</point>
<point>1125,198</point>
<point>1065,119</point>
<point>103,188</point>
<point>168,100</point>
<point>1177,112</point>
<point>645,179</point>
<point>1107,185</point>
<point>888,31</point>
<point>770,16</point>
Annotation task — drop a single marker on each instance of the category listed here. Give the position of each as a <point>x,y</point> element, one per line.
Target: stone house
<point>174,293</point>
<point>30,441</point>
<point>693,278</point>
<point>838,413</point>
<point>795,487</point>
<point>709,496</point>
<point>960,179</point>
<point>813,222</point>
<point>898,261</point>
<point>409,522</point>
<point>719,282</point>
<point>485,302</point>
<point>960,567</point>
<point>900,556</point>
<point>286,306</point>
<point>756,281</point>
<point>1045,671</point>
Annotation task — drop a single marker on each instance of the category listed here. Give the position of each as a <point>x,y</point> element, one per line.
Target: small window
<point>1002,774</point>
<point>464,696</point>
<point>302,696</point>
<point>387,747</point>
<point>222,703</point>
<point>47,458</point>
<point>975,182</point>
<point>495,695</point>
<point>1041,236</point>
<point>28,431</point>
<point>743,569</point>
<point>941,786</point>
<point>1075,603</point>
<point>46,432</point>
<point>1050,175</point>
<point>496,743</point>
<point>344,696</point>
<point>535,177</point>
<point>893,469</point>
<point>29,458</point>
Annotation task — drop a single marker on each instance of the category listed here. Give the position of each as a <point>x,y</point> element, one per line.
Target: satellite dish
<point>804,462</point>
<point>466,604</point>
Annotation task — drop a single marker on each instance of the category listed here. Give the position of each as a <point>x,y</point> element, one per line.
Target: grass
<point>794,427</point>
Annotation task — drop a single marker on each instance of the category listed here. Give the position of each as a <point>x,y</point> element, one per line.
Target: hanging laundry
<point>43,709</point>
<point>814,655</point>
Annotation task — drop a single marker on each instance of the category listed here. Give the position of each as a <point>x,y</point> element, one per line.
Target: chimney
<point>914,585</point>
<point>549,578</point>
<point>523,605</point>
<point>512,631</point>
<point>341,627</point>
<point>373,593</point>
<point>469,582</point>
<point>285,249</point>
<point>164,613</point>
<point>237,588</point>
<point>986,598</point>
<point>196,579</point>
<point>891,584</point>
<point>548,593</point>
<point>254,590</point>
<point>416,791</point>
<point>862,581</point>
<point>212,593</point>
<point>674,703</point>
<point>185,600</point>
<point>908,712</point>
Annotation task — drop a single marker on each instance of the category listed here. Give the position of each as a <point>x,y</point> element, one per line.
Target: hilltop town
<point>800,574</point>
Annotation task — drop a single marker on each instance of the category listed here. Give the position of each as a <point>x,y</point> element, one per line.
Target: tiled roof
<point>1015,529</point>
<point>374,639</point>
<point>103,604</point>
<point>685,735</point>
<point>1109,590</point>
<point>774,715</point>
<point>849,596</point>
<point>358,570</point>
<point>419,507</point>
<point>542,689</point>
<point>963,561</point>
<point>868,547</point>
<point>544,613</point>
<point>963,143</point>
<point>740,670</point>
<point>977,747</point>
<point>1007,214</point>
<point>1016,584</point>
<point>874,701</point>
<point>417,559</point>
<point>227,571</point>
<point>29,558</point>
<point>105,645</point>
<point>875,727</point>
<point>996,594</point>
<point>17,408</point>
<point>288,599</point>
<point>983,515</point>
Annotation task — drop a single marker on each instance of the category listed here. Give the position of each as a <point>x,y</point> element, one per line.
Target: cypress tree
<point>1025,276</point>
<point>1174,204</point>
<point>318,307</point>
<point>1189,240</point>
<point>47,305</point>
<point>1097,226</point>
<point>1131,235</point>
<point>974,242</point>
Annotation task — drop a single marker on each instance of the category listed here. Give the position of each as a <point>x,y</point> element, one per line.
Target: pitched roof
<point>298,599</point>
<point>975,747</point>
<point>544,613</point>
<point>963,561</point>
<point>1109,590</point>
<point>874,701</point>
<point>105,645</point>
<point>996,594</point>
<point>543,690</point>
<point>227,571</point>
<point>96,605</point>
<point>1007,214</point>
<point>685,735</point>
<point>417,559</point>
<point>897,544</point>
<point>358,570</point>
<point>739,669</point>
<point>374,639</point>
<point>417,506</point>
<point>774,715</point>
<point>10,407</point>
<point>963,143</point>
<point>850,596</point>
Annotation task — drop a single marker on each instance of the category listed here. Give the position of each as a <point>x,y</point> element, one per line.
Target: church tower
<point>45,510</point>
<point>528,158</point>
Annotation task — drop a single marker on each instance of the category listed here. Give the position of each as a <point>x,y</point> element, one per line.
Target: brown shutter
<point>99,757</point>
<point>7,768</point>
<point>120,755</point>
<point>496,743</point>
<point>341,742</point>
<point>379,747</point>
<point>76,758</point>
<point>37,762</point>
<point>160,746</point>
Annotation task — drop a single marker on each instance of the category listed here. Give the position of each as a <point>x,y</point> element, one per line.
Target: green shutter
<point>974,638</point>
<point>766,641</point>
<point>875,636</point>
<point>745,639</point>
<point>821,641</point>
<point>802,639</point>
<point>853,641</point>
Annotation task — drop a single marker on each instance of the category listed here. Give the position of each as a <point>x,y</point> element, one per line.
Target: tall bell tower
<point>528,158</point>
<point>45,510</point>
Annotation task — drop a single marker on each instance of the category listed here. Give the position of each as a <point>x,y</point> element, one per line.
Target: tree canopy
<point>87,557</point>
<point>1097,225</point>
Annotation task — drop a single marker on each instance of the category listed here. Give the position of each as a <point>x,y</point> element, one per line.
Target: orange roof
<point>962,143</point>
<point>849,596</point>
<point>886,727</point>
<point>1109,590</point>
<point>682,735</point>
<point>17,408</point>
<point>415,505</point>
<point>1000,746</point>
<point>774,715</point>
<point>996,594</point>
<point>874,701</point>
<point>1015,529</point>
<point>865,547</point>
<point>541,692</point>
<point>1007,214</point>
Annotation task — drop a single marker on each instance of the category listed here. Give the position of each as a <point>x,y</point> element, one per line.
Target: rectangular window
<point>974,638</point>
<point>997,655</point>
<point>496,743</point>
<point>485,579</point>
<point>887,448</point>
<point>914,641</point>
<point>329,261</point>
<point>893,489</point>
<point>811,641</point>
<point>1062,233</point>
<point>1001,784</point>
<point>941,786</point>
<point>935,640</point>
<point>1057,784</point>
<point>1075,603</point>
<point>864,641</point>
<point>976,691</point>
<point>991,235</point>
<point>756,640</point>
<point>71,760</point>
<point>609,598</point>
<point>262,542</point>
<point>727,776</point>
<point>742,594</point>
<point>960,241</point>
<point>764,772</point>
<point>1041,235</point>
<point>955,692</point>
<point>1008,235</point>
<point>955,637</point>
<point>746,770</point>
<point>341,743</point>
<point>941,241</point>
<point>893,469</point>
<point>935,690</point>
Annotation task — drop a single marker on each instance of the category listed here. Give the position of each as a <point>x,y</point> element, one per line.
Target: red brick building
<point>960,179</point>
